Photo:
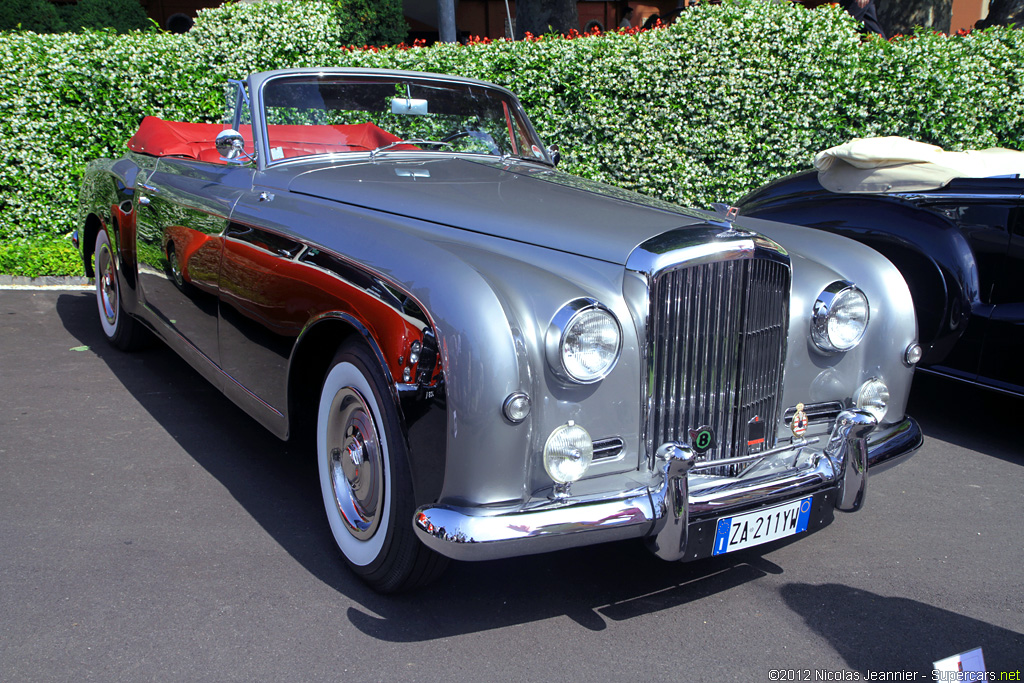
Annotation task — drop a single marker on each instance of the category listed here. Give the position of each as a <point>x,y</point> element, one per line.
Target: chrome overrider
<point>662,511</point>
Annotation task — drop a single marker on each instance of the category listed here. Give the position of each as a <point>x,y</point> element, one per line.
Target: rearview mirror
<point>408,106</point>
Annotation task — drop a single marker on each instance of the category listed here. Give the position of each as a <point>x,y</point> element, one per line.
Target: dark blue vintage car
<point>958,240</point>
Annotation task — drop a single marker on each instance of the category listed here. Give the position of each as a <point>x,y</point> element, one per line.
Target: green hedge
<point>43,16</point>
<point>41,255</point>
<point>726,99</point>
<point>30,15</point>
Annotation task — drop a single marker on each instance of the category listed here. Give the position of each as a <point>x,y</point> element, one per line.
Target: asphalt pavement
<point>149,530</point>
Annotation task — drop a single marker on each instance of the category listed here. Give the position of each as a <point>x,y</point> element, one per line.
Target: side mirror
<point>555,155</point>
<point>231,146</point>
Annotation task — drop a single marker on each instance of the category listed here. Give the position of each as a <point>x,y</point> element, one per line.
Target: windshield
<point>316,114</point>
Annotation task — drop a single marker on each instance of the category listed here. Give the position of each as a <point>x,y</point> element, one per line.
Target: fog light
<point>568,452</point>
<point>516,407</point>
<point>873,397</point>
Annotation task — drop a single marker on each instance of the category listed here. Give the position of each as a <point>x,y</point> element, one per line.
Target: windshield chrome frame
<point>259,81</point>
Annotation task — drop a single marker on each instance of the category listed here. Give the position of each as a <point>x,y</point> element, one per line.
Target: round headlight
<point>583,341</point>
<point>873,397</point>
<point>840,317</point>
<point>568,453</point>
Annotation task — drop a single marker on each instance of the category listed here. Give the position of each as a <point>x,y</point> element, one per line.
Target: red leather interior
<point>157,137</point>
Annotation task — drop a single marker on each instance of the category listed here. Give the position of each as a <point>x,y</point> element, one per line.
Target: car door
<point>985,211</point>
<point>264,307</point>
<point>182,213</point>
<point>1001,364</point>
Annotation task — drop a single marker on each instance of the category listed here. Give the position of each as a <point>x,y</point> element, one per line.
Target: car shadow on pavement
<point>877,633</point>
<point>593,586</point>
<point>276,484</point>
<point>968,416</point>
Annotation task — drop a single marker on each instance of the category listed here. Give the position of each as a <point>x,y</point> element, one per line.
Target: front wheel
<point>119,328</point>
<point>364,477</point>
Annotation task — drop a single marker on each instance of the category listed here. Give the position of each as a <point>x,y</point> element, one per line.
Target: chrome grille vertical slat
<point>716,350</point>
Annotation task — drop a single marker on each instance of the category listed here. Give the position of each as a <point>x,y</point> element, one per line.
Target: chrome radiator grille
<point>717,340</point>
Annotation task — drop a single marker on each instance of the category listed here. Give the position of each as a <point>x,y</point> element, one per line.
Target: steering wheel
<point>456,135</point>
<point>483,137</point>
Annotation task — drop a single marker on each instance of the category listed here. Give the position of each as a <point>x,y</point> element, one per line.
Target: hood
<point>524,202</point>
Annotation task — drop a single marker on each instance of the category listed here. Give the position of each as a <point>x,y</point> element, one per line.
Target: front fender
<point>477,342</point>
<point>818,259</point>
<point>929,250</point>
<point>531,285</point>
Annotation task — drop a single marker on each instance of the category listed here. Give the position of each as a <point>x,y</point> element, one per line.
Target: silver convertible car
<point>497,358</point>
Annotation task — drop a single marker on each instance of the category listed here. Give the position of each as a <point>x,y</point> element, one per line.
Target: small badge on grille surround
<point>755,435</point>
<point>702,440</point>
<point>798,424</point>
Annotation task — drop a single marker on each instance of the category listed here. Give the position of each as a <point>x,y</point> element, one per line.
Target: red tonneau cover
<point>196,140</point>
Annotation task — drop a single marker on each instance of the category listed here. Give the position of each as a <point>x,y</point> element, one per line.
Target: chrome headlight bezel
<point>564,327</point>
<point>838,299</point>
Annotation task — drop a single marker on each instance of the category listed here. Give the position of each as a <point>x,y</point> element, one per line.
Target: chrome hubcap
<point>355,464</point>
<point>107,285</point>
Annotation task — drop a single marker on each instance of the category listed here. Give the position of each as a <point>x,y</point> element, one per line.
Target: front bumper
<point>671,512</point>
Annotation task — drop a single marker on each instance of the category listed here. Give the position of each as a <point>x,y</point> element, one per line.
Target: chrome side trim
<point>958,196</point>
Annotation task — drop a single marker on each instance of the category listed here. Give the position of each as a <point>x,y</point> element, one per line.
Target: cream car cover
<point>895,164</point>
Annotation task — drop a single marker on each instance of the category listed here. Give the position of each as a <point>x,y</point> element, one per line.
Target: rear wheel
<point>364,476</point>
<point>119,328</point>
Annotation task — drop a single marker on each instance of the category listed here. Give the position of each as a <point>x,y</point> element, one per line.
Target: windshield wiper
<point>412,141</point>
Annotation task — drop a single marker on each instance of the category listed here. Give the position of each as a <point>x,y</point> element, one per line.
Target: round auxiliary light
<point>583,341</point>
<point>568,453</point>
<point>516,407</point>
<point>840,317</point>
<point>873,397</point>
<point>912,356</point>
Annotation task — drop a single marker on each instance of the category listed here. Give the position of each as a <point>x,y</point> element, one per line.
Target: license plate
<point>762,526</point>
